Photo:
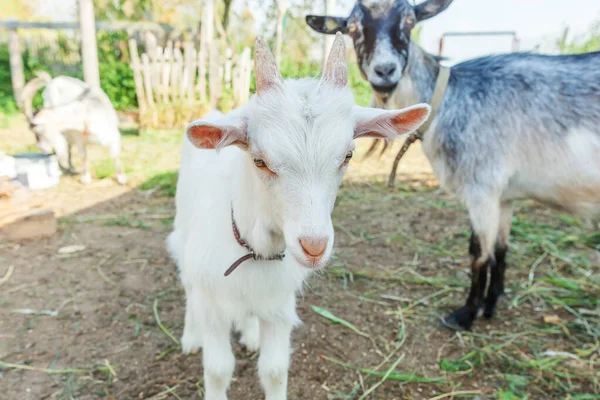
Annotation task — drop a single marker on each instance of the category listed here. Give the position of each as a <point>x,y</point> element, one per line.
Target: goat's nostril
<point>313,248</point>
<point>385,70</point>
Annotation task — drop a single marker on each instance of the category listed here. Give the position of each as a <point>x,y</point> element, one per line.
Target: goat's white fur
<point>76,114</point>
<point>303,129</point>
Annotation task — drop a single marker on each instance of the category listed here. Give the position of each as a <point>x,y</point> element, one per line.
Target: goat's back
<point>525,124</point>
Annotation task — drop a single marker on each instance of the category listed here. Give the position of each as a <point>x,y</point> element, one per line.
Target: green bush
<point>7,102</point>
<point>116,77</point>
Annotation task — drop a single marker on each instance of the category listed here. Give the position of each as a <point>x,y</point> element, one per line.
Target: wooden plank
<point>17,75</point>
<point>282,6</point>
<point>328,39</point>
<point>228,66</point>
<point>190,70</point>
<point>147,75</point>
<point>28,224</point>
<point>202,72</point>
<point>156,58</point>
<point>214,84</point>
<point>100,25</point>
<point>177,90</point>
<point>150,42</point>
<point>206,40</point>
<point>166,71</point>
<point>247,75</point>
<point>136,66</point>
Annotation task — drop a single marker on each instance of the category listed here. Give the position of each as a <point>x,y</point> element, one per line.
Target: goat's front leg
<point>219,362</point>
<point>191,340</point>
<point>274,358</point>
<point>484,215</point>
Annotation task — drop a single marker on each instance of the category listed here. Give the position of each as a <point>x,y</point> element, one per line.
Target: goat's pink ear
<point>206,135</point>
<point>388,124</point>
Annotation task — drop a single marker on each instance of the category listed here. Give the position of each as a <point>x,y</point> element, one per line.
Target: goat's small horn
<point>266,73</point>
<point>336,72</point>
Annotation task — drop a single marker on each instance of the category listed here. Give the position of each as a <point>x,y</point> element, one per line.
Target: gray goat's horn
<point>29,91</point>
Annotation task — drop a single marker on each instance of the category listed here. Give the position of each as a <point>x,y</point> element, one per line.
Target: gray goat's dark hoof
<point>459,320</point>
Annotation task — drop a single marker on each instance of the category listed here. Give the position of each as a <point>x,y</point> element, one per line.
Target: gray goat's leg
<point>484,212</point>
<point>496,289</point>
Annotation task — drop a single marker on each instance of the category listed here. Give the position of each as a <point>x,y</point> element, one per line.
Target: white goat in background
<point>73,114</point>
<point>265,197</point>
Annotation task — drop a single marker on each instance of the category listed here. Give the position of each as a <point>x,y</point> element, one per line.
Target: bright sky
<point>537,22</point>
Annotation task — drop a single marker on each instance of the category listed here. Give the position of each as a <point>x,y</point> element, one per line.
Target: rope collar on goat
<point>436,99</point>
<point>251,253</point>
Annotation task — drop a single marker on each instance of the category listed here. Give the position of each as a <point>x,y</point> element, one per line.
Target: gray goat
<point>509,127</point>
<point>73,114</point>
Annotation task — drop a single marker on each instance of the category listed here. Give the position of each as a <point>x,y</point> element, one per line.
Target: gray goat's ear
<point>430,8</point>
<point>327,25</point>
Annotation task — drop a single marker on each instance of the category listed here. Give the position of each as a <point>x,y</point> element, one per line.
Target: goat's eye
<point>261,164</point>
<point>410,20</point>
<point>348,157</point>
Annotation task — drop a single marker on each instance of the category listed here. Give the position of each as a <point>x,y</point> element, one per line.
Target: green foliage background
<point>116,77</point>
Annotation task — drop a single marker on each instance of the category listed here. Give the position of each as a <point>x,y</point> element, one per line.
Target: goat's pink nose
<point>314,247</point>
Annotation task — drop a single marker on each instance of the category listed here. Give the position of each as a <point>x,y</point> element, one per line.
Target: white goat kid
<point>273,181</point>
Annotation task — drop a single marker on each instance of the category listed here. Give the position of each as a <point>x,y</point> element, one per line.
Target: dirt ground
<point>104,321</point>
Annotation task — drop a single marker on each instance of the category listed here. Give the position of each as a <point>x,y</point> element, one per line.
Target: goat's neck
<point>253,211</point>
<point>417,82</point>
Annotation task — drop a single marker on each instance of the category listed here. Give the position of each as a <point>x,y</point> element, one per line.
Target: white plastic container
<point>7,166</point>
<point>37,170</point>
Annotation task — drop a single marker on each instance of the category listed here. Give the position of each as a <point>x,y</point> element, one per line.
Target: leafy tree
<point>21,10</point>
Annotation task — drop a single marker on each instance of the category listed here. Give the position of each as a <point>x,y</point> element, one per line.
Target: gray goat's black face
<point>381,31</point>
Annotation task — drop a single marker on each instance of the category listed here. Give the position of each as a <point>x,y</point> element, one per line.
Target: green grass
<point>166,182</point>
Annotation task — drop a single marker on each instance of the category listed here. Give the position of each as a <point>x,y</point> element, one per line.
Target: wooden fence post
<point>89,46</point>
<point>136,66</point>
<point>328,39</point>
<point>281,9</point>
<point>228,66</point>
<point>190,70</point>
<point>206,38</point>
<point>16,65</point>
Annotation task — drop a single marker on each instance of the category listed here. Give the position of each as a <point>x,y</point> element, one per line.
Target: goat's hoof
<point>189,344</point>
<point>491,304</point>
<point>121,179</point>
<point>251,342</point>
<point>489,311</point>
<point>86,178</point>
<point>459,320</point>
